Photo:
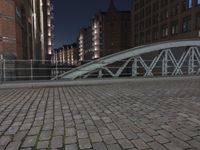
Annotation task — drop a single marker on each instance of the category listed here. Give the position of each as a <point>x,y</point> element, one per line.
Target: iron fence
<point>30,70</point>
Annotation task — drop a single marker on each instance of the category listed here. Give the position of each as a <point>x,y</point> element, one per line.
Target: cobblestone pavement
<point>150,114</point>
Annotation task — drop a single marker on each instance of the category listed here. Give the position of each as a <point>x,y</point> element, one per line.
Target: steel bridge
<point>170,58</point>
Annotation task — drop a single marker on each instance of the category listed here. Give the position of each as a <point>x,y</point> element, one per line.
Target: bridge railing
<point>30,70</point>
<point>33,70</point>
<point>165,62</point>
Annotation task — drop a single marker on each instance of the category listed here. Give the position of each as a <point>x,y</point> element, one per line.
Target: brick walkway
<point>150,114</point>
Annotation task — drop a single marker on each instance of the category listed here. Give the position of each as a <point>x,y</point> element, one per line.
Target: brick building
<point>85,44</point>
<point>25,29</point>
<point>66,55</point>
<point>110,32</point>
<point>161,20</point>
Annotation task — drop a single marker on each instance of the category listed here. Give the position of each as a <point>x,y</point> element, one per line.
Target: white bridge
<point>171,58</point>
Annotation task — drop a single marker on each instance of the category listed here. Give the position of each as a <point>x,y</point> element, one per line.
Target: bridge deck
<point>153,113</point>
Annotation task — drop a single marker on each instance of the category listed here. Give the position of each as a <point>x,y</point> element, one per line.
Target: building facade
<point>161,20</point>
<point>85,44</point>
<point>110,32</point>
<point>66,56</point>
<point>25,29</point>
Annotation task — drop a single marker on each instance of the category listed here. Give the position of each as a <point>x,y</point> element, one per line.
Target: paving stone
<point>140,144</point>
<point>20,135</point>
<point>57,142</point>
<point>12,130</point>
<point>117,134</point>
<point>114,147</point>
<point>42,144</point>
<point>130,135</point>
<point>4,140</point>
<point>92,129</point>
<point>30,141</point>
<point>70,131</point>
<point>156,146</point>
<point>45,135</point>
<point>165,134</point>
<point>99,146</point>
<point>84,143</point>
<point>71,147</point>
<point>145,137</point>
<point>180,143</point>
<point>95,137</point>
<point>70,140</point>
<point>13,146</point>
<point>82,133</point>
<point>34,131</point>
<point>125,143</point>
<point>172,146</point>
<point>160,139</point>
<point>194,143</point>
<point>104,131</point>
<point>112,126</point>
<point>108,139</point>
<point>58,131</point>
<point>181,136</point>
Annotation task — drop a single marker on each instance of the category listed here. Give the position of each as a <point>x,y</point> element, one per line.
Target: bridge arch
<point>190,54</point>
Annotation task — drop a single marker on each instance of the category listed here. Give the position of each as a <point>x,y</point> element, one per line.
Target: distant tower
<point>112,6</point>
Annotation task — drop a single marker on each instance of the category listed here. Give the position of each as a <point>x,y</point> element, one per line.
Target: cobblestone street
<point>141,114</point>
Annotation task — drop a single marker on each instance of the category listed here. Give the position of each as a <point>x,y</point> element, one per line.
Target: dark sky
<point>71,15</point>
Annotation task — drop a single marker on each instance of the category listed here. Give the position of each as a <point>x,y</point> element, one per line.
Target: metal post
<point>31,69</point>
<point>165,64</point>
<point>1,62</point>
<point>4,70</point>
<point>100,75</point>
<point>56,69</point>
<point>134,67</point>
<point>191,62</point>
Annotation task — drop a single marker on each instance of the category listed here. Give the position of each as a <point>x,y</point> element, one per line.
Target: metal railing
<point>30,70</point>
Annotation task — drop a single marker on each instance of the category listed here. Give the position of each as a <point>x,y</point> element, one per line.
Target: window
<point>164,31</point>
<point>155,34</point>
<point>174,28</point>
<point>148,36</point>
<point>175,10</point>
<point>188,4</point>
<point>198,20</point>
<point>186,24</point>
<point>198,2</point>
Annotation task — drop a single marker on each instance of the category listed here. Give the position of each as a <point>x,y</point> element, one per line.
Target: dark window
<point>198,20</point>
<point>174,27</point>
<point>155,34</point>
<point>148,36</point>
<point>164,31</point>
<point>186,24</point>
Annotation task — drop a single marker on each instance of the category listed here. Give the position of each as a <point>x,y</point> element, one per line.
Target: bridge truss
<point>165,59</point>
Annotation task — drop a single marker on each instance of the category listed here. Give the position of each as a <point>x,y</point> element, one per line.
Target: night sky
<point>71,15</point>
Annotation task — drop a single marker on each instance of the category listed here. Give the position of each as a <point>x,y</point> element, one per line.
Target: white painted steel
<point>138,51</point>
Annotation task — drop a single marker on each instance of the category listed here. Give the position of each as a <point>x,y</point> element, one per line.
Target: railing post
<point>1,62</point>
<point>56,69</point>
<point>134,67</point>
<point>4,70</point>
<point>31,69</point>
